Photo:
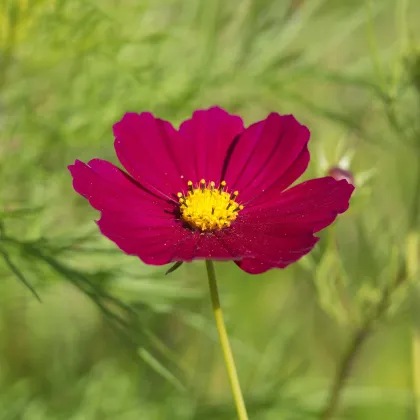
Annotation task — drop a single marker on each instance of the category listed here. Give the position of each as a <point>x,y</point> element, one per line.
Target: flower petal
<point>209,135</point>
<point>270,154</point>
<point>282,232</point>
<point>107,187</point>
<point>211,246</point>
<point>138,222</point>
<point>273,246</point>
<point>257,266</point>
<point>152,152</point>
<point>314,204</point>
<point>153,245</point>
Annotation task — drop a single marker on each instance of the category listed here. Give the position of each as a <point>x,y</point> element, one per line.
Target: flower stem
<point>416,369</point>
<point>224,341</point>
<point>358,339</point>
<point>344,370</point>
<point>413,268</point>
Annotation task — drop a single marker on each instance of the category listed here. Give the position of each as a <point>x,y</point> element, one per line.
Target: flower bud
<point>339,174</point>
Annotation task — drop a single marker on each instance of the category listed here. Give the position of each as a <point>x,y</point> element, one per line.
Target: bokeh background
<point>335,336</point>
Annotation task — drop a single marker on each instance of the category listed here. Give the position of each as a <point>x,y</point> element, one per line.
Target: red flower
<point>211,190</point>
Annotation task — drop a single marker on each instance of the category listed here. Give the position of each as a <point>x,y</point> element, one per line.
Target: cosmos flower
<point>211,190</point>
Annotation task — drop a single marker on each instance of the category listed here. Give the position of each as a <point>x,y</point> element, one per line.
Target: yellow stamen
<point>207,209</point>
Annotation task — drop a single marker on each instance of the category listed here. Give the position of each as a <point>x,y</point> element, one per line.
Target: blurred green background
<point>335,336</point>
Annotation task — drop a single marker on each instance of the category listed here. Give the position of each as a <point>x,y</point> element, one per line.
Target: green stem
<point>412,263</point>
<point>416,369</point>
<point>224,341</point>
<point>413,269</point>
<point>343,371</point>
<point>359,338</point>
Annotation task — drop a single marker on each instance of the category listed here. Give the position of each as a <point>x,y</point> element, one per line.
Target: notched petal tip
<point>344,192</point>
<point>78,173</point>
<point>289,120</point>
<point>132,117</point>
<point>215,109</point>
<point>72,167</point>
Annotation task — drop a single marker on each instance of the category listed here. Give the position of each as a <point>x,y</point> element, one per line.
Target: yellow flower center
<point>207,208</point>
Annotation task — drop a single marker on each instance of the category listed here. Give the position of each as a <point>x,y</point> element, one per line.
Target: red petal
<point>152,151</point>
<point>282,232</point>
<point>108,188</point>
<point>257,266</point>
<point>269,155</point>
<point>276,245</point>
<point>209,135</point>
<point>138,222</point>
<point>210,246</point>
<point>153,245</point>
<point>314,204</point>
